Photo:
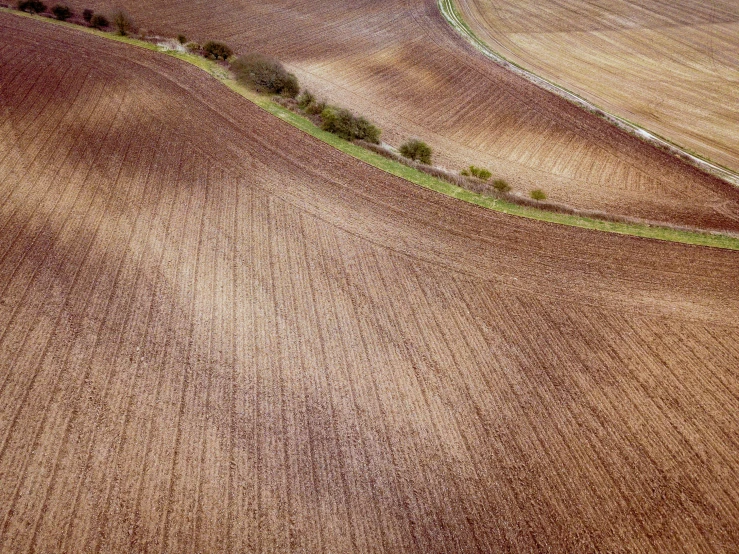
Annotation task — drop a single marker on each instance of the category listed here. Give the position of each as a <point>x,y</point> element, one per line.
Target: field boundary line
<point>456,20</point>
<point>415,176</point>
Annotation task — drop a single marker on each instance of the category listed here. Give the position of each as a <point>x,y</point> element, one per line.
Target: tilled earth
<point>400,64</point>
<point>669,66</point>
<point>218,334</point>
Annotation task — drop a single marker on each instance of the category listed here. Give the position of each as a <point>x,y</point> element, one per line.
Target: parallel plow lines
<point>230,337</point>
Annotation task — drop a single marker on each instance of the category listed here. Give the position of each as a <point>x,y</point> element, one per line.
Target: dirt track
<point>217,334</point>
<point>399,63</point>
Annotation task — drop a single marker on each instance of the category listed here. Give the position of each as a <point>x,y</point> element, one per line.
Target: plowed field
<point>218,334</point>
<point>400,64</point>
<point>670,66</point>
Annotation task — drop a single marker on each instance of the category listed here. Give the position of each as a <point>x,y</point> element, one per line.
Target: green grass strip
<point>408,173</point>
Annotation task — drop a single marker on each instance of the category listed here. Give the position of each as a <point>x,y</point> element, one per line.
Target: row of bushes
<point>348,126</point>
<point>479,172</point>
<point>500,187</point>
<point>212,50</point>
<point>262,74</point>
<point>121,20</point>
<point>339,121</point>
<point>498,184</point>
<point>267,75</point>
<point>124,25</point>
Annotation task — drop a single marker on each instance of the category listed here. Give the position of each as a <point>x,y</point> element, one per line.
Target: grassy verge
<point>410,174</point>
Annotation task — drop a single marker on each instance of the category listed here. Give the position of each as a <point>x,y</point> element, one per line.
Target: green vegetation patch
<point>479,172</point>
<point>348,126</point>
<point>416,150</point>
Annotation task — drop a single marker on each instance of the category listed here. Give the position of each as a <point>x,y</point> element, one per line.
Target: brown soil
<point>400,64</point>
<point>218,334</point>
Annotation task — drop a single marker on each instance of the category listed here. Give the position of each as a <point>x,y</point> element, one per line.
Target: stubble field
<point>669,66</point>
<point>218,334</point>
<point>400,64</point>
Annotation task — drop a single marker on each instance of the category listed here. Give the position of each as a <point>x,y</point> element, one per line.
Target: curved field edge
<point>456,20</point>
<point>715,240</point>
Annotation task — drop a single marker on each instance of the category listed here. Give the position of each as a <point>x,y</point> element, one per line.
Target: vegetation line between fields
<point>452,16</point>
<point>409,173</point>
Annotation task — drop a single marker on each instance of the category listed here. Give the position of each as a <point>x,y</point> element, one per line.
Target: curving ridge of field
<point>219,334</point>
<point>671,67</point>
<point>400,64</point>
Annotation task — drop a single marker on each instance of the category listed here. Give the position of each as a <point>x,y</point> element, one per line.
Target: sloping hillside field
<point>399,63</point>
<point>218,334</point>
<point>672,67</point>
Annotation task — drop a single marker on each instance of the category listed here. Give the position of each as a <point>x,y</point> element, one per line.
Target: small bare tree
<point>32,6</point>
<point>123,23</point>
<point>61,12</point>
<point>99,21</point>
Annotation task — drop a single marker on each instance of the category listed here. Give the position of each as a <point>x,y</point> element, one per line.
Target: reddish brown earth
<point>400,64</point>
<point>218,334</point>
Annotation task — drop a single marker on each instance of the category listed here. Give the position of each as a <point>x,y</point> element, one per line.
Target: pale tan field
<point>401,65</point>
<point>672,67</point>
<point>220,335</point>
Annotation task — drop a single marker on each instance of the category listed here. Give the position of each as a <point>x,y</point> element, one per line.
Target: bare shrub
<point>265,74</point>
<point>123,23</point>
<point>217,50</point>
<point>87,14</point>
<point>501,186</point>
<point>99,21</point>
<point>61,12</point>
<point>32,6</point>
